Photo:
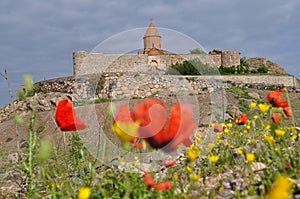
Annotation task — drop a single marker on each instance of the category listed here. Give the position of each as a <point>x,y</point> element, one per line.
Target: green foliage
<point>197,51</point>
<point>192,67</point>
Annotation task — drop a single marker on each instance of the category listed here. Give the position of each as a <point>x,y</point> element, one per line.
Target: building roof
<point>151,31</point>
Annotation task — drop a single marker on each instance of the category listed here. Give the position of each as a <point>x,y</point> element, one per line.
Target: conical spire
<point>152,38</point>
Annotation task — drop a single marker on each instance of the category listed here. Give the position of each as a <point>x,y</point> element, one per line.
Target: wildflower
<point>280,189</point>
<point>193,152</point>
<point>213,158</point>
<point>276,149</point>
<point>288,166</point>
<point>276,118</point>
<point>163,186</point>
<point>84,193</point>
<point>279,132</point>
<point>287,111</point>
<point>218,128</point>
<point>66,118</point>
<point>266,126</point>
<point>169,163</point>
<point>252,105</point>
<point>228,125</point>
<point>240,152</point>
<point>149,181</point>
<point>241,120</point>
<point>269,139</point>
<point>250,157</point>
<point>264,108</point>
<point>255,117</point>
<point>189,169</point>
<point>152,115</point>
<point>248,127</point>
<point>227,185</point>
<point>195,177</point>
<point>274,96</point>
<point>284,90</point>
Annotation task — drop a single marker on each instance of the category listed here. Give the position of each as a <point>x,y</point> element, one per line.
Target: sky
<point>39,37</point>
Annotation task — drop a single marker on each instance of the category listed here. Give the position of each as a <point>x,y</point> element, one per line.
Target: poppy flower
<point>241,120</point>
<point>287,111</point>
<point>163,186</point>
<point>149,181</point>
<point>66,118</point>
<point>160,133</point>
<point>276,118</point>
<point>218,128</point>
<point>124,127</point>
<point>168,163</point>
<point>274,96</point>
<point>282,103</point>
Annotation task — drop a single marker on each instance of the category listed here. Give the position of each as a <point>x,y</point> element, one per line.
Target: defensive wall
<point>89,63</point>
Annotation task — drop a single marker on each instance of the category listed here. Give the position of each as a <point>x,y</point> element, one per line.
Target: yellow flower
<point>276,149</point>
<point>280,189</point>
<point>250,157</point>
<point>228,125</point>
<point>84,193</point>
<point>248,127</point>
<point>255,117</point>
<point>270,139</point>
<point>226,131</point>
<point>193,152</point>
<point>213,158</point>
<point>264,107</point>
<point>252,105</point>
<point>195,177</point>
<point>284,90</point>
<point>279,132</point>
<point>189,169</point>
<point>266,126</point>
<point>125,131</point>
<point>240,152</point>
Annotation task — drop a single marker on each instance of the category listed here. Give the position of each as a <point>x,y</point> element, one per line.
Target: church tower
<point>152,39</point>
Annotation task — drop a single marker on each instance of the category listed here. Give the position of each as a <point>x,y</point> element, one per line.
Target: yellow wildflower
<point>250,157</point>
<point>84,193</point>
<point>195,177</point>
<point>228,125</point>
<point>125,131</point>
<point>276,149</point>
<point>189,169</point>
<point>280,189</point>
<point>213,158</point>
<point>252,105</point>
<point>248,127</point>
<point>284,90</point>
<point>193,152</point>
<point>240,152</point>
<point>264,107</point>
<point>270,139</point>
<point>279,132</point>
<point>266,126</point>
<point>226,131</point>
<point>255,117</point>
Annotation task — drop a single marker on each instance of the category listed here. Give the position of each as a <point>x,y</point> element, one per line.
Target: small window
<point>152,45</point>
<point>231,58</point>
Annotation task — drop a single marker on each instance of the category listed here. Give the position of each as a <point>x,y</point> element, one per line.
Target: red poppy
<point>276,118</point>
<point>287,111</point>
<point>137,144</point>
<point>241,120</point>
<point>164,186</point>
<point>169,163</point>
<point>149,181</point>
<point>154,127</point>
<point>274,96</point>
<point>288,166</point>
<point>282,103</point>
<point>218,128</point>
<point>66,118</point>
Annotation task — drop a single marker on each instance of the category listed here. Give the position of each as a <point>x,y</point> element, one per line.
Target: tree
<point>197,51</point>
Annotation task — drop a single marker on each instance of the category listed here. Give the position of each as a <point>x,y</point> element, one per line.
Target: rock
<point>258,166</point>
<point>13,157</point>
<point>254,95</point>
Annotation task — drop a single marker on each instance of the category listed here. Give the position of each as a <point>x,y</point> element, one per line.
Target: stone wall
<point>88,63</point>
<point>128,85</point>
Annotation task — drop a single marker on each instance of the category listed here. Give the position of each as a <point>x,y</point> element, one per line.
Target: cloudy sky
<point>39,37</point>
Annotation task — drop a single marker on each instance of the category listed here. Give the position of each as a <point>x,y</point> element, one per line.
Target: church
<point>153,55</point>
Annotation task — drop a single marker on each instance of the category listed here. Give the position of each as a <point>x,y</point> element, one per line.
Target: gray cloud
<point>38,37</point>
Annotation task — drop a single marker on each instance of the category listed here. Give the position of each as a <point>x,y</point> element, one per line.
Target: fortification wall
<point>89,63</point>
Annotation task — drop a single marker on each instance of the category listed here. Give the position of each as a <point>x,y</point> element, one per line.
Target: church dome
<point>151,31</point>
